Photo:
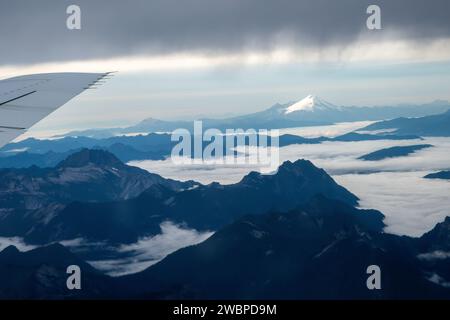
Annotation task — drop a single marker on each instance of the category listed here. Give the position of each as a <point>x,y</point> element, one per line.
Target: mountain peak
<point>90,156</point>
<point>302,105</point>
<point>439,236</point>
<point>310,103</point>
<point>293,168</point>
<point>301,177</point>
<point>297,166</point>
<point>9,250</point>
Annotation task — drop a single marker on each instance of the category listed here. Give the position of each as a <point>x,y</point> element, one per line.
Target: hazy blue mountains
<point>394,152</point>
<point>429,126</point>
<point>310,111</point>
<point>48,153</point>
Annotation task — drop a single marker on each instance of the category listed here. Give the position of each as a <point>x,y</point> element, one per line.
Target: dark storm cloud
<point>35,31</point>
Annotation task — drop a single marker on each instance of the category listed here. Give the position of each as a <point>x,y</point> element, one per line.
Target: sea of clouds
<point>395,186</point>
<point>412,205</point>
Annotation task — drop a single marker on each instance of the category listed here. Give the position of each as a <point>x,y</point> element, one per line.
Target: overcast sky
<point>179,59</point>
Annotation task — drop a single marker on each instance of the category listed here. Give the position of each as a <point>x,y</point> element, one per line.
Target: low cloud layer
<point>148,251</point>
<point>412,205</point>
<point>337,158</point>
<point>395,186</point>
<point>35,31</point>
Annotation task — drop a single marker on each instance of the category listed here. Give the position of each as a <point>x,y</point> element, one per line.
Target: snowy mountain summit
<point>310,103</point>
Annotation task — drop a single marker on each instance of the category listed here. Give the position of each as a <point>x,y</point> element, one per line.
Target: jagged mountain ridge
<point>320,250</point>
<point>205,207</point>
<point>29,197</point>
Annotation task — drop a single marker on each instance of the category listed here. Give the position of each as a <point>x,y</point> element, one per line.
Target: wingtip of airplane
<point>100,80</point>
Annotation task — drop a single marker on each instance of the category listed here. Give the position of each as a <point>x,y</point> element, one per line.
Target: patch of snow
<point>304,104</point>
<point>381,131</point>
<point>18,150</point>
<point>310,103</point>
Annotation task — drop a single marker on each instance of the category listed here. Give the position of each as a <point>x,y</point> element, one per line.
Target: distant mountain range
<point>393,152</point>
<point>136,143</point>
<point>149,146</point>
<point>310,111</point>
<point>428,126</point>
<point>48,153</point>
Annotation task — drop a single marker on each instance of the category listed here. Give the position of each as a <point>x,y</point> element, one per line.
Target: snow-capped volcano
<point>310,103</point>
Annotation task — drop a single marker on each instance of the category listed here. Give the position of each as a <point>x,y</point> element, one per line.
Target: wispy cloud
<point>127,258</point>
<point>434,255</point>
<point>147,251</point>
<point>15,241</point>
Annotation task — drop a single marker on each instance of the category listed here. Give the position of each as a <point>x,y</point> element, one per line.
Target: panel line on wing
<point>17,98</point>
<point>11,128</point>
<point>25,108</point>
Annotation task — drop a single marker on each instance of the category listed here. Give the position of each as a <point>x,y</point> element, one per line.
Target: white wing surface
<point>26,100</point>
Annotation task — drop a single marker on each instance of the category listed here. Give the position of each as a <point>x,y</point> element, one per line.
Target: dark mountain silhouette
<point>438,239</point>
<point>320,250</point>
<point>34,196</point>
<point>205,207</point>
<point>434,248</point>
<point>87,157</point>
<point>354,136</point>
<point>393,152</point>
<point>41,274</point>
<point>439,175</point>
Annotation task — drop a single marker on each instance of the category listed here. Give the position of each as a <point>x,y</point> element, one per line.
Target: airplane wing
<point>26,100</point>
